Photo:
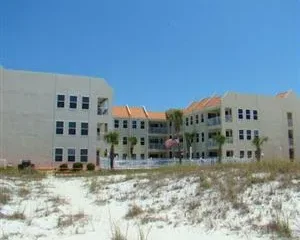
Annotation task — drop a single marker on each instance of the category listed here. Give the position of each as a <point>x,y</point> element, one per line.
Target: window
<point>191,120</point>
<point>255,115</point>
<point>186,121</point>
<point>142,141</point>
<point>291,154</point>
<point>241,134</point>
<point>290,119</point>
<point>73,102</point>
<point>133,156</point>
<point>197,137</point>
<point>142,125</point>
<point>240,113</point>
<point>116,123</point>
<point>84,128</point>
<point>202,136</point>
<point>71,155</point>
<point>197,155</point>
<point>59,127</point>
<point>197,119</point>
<point>124,140</point>
<point>242,154</point>
<point>202,118</point>
<point>60,101</point>
<point>142,156</point>
<point>248,134</point>
<point>124,156</point>
<point>229,153</point>
<point>84,155</point>
<point>72,128</point>
<point>124,123</point>
<point>203,154</point>
<point>249,154</point>
<point>59,154</point>
<point>85,103</point>
<point>133,124</point>
<point>248,114</point>
<point>256,133</point>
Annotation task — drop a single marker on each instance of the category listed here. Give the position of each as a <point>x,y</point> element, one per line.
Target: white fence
<point>156,163</point>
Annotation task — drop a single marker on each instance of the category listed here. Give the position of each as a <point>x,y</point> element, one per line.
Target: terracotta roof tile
<point>157,115</point>
<point>213,102</point>
<point>137,112</point>
<point>120,112</point>
<point>204,103</point>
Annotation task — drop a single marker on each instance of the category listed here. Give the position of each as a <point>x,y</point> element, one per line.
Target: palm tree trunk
<point>258,154</point>
<point>220,154</point>
<point>112,156</point>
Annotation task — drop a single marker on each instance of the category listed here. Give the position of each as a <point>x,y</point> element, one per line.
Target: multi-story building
<point>52,118</point>
<point>150,129</point>
<point>241,117</point>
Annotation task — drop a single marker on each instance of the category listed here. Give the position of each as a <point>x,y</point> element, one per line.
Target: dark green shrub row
<point>77,166</point>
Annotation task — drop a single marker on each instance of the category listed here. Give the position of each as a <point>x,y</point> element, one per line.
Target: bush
<point>90,167</point>
<point>63,167</point>
<point>77,166</point>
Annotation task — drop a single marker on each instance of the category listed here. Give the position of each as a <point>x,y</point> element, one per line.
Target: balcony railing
<point>102,111</point>
<point>158,130</point>
<point>157,146</point>
<point>291,142</point>
<point>214,121</point>
<point>229,139</point>
<point>211,143</point>
<point>228,118</point>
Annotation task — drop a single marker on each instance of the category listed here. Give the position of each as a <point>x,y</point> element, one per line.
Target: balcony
<point>157,130</point>
<point>211,143</point>
<point>291,142</point>
<point>228,118</point>
<point>156,146</point>
<point>102,111</point>
<point>214,121</point>
<point>229,140</point>
<point>290,122</point>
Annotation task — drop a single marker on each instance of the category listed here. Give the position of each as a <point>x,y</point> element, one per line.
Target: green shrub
<point>90,167</point>
<point>63,167</point>
<point>77,166</point>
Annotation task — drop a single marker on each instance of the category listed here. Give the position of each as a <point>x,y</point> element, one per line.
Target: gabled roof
<point>157,115</point>
<point>120,111</point>
<point>202,104</point>
<point>137,112</point>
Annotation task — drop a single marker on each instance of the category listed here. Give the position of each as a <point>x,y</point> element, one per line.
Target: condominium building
<point>52,118</point>
<point>150,129</point>
<point>241,117</point>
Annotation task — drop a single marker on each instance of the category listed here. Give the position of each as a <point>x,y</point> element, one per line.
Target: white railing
<point>214,121</point>
<point>158,130</point>
<point>211,143</point>
<point>159,162</point>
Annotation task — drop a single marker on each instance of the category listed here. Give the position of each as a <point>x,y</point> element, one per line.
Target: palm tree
<point>132,141</point>
<point>258,142</point>
<point>188,139</point>
<point>113,139</point>
<point>176,116</point>
<point>220,140</point>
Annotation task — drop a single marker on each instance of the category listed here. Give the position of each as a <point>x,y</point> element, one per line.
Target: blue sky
<point>158,53</point>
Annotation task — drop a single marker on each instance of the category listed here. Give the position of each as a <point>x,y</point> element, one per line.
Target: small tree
<point>189,139</point>
<point>132,142</point>
<point>258,142</point>
<point>220,140</point>
<point>176,117</point>
<point>113,139</point>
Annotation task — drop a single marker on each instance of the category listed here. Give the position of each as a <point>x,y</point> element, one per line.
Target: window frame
<point>142,124</point>
<point>142,141</point>
<point>248,136</point>
<point>62,154</point>
<point>116,123</point>
<point>61,128</point>
<point>68,154</point>
<point>124,141</point>
<point>240,113</point>
<point>84,129</point>
<point>84,103</point>
<point>125,126</point>
<point>84,155</point>
<point>248,114</point>
<point>72,128</point>
<point>134,124</point>
<point>241,134</point>
<point>60,101</point>
<point>71,102</point>
<point>255,114</point>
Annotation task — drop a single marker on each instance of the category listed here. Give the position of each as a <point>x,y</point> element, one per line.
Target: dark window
<point>197,137</point>
<point>197,119</point>
<point>248,114</point>
<point>291,154</point>
<point>240,113</point>
<point>202,137</point>
<point>142,141</point>
<point>256,133</point>
<point>59,154</point>
<point>142,125</point>
<point>202,117</point>
<point>255,114</point>
<point>59,127</point>
<point>60,101</point>
<point>242,154</point>
<point>142,156</point>
<point>83,155</point>
<point>203,154</point>
<point>133,124</point>
<point>124,123</point>
<point>186,121</point>
<point>241,134</point>
<point>249,154</point>
<point>116,124</point>
<point>124,156</point>
<point>249,135</point>
<point>72,128</point>
<point>84,128</point>
<point>73,101</point>
<point>197,155</point>
<point>85,103</point>
<point>229,153</point>
<point>71,155</point>
<point>124,140</point>
<point>191,120</point>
